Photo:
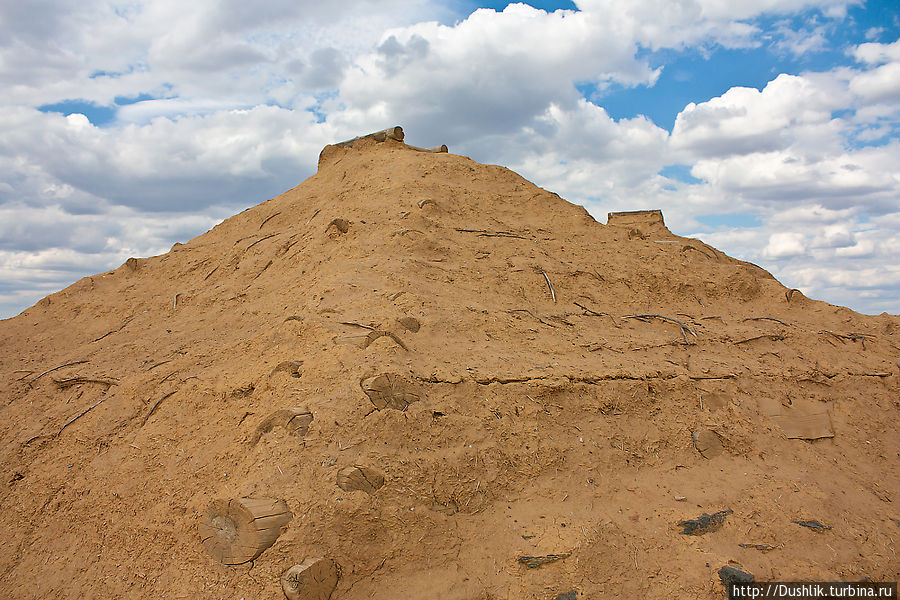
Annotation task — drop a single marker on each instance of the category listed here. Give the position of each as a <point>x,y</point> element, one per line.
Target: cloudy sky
<point>769,129</point>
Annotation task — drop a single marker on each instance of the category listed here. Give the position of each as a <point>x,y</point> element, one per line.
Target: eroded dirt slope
<point>546,418</point>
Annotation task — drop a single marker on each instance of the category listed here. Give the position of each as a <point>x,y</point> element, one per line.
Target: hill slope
<point>544,417</point>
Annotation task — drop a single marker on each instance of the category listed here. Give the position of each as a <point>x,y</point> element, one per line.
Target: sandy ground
<point>544,419</point>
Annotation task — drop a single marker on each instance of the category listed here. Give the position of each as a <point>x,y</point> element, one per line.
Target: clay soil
<point>543,418</point>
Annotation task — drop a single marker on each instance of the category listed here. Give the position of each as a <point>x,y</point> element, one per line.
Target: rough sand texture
<point>534,423</point>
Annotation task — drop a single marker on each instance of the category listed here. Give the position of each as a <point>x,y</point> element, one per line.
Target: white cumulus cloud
<point>213,106</point>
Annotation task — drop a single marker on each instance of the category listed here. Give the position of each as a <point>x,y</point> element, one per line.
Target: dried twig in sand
<point>78,380</point>
<point>79,415</point>
<point>260,240</point>
<point>561,319</point>
<point>851,337</point>
<point>766,319</point>
<point>684,328</point>
<point>210,273</point>
<point>287,247</point>
<point>651,346</point>
<point>595,313</point>
<point>352,324</point>
<point>120,328</point>
<point>153,408</point>
<point>68,364</point>
<point>268,264</point>
<point>502,234</point>
<point>266,220</point>
<point>487,233</point>
<point>535,561</point>
<point>67,423</point>
<point>771,336</point>
<point>685,248</point>
<point>592,312</point>
<point>313,216</point>
<point>525,310</point>
<point>601,346</point>
<point>549,285</point>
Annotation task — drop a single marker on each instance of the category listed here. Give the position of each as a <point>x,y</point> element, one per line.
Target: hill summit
<point>445,382</point>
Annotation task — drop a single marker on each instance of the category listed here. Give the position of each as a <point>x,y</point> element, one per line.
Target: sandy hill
<point>517,402</point>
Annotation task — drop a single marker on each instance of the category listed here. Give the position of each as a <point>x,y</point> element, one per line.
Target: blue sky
<point>699,74</point>
<point>768,129</point>
<point>691,75</point>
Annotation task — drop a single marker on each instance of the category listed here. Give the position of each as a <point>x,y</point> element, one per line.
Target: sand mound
<point>461,386</point>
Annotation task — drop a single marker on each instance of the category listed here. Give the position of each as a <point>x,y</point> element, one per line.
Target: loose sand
<point>522,412</point>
